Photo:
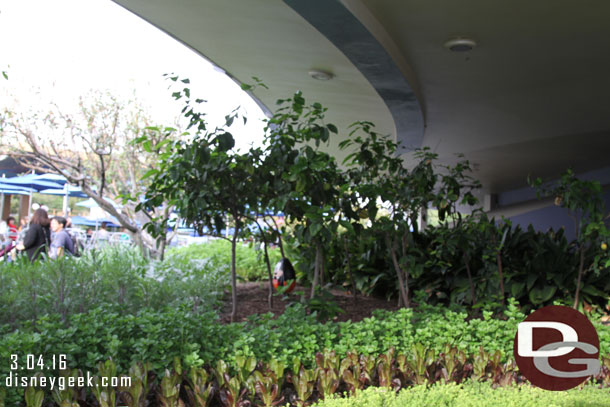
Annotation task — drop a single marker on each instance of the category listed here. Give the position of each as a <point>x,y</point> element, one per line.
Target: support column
<point>6,206</point>
<point>24,206</point>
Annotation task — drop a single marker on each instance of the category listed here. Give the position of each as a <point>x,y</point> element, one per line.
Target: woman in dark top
<point>38,236</point>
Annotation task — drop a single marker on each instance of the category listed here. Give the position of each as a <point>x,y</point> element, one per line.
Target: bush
<point>472,394</point>
<point>158,336</point>
<point>250,260</point>
<point>432,336</point>
<point>114,275</point>
<point>295,334</point>
<point>539,267</point>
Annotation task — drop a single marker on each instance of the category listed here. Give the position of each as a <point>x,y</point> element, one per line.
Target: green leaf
<point>347,225</point>
<point>541,295</point>
<point>225,141</point>
<point>150,173</point>
<point>315,229</point>
<point>531,280</point>
<point>517,289</point>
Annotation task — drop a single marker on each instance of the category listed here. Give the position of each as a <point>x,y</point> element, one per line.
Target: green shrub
<point>114,275</point>
<point>473,394</point>
<point>159,335</point>
<point>539,267</point>
<point>250,262</point>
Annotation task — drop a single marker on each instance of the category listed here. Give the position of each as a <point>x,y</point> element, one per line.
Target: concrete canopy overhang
<point>530,98</point>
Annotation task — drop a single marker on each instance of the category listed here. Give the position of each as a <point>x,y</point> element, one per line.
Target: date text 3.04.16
<point>38,362</point>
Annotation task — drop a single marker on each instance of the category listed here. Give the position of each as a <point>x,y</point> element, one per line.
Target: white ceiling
<point>532,97</point>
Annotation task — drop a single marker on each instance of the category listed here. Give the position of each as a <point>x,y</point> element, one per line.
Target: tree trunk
<point>499,264</point>
<point>349,270</point>
<point>321,274</point>
<point>406,272</point>
<point>279,236</point>
<point>108,207</point>
<point>581,268</point>
<point>233,272</point>
<point>137,238</point>
<point>145,241</point>
<point>316,272</point>
<point>270,274</point>
<point>162,244</point>
<point>472,290</point>
<point>399,273</point>
<point>165,241</point>
<point>499,261</point>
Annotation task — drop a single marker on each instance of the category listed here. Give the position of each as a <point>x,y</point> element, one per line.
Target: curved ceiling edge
<point>333,20</point>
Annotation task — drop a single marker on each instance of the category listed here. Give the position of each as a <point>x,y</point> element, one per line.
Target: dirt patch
<point>252,298</point>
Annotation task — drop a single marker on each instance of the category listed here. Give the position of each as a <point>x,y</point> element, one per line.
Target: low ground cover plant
<point>157,336</point>
<point>473,394</point>
<point>363,380</point>
<point>430,345</point>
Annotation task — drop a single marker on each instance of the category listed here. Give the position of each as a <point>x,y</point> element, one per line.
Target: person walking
<point>62,241</point>
<point>101,236</point>
<point>38,236</point>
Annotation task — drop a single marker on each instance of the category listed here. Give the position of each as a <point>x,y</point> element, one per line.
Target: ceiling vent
<point>320,75</point>
<point>460,44</point>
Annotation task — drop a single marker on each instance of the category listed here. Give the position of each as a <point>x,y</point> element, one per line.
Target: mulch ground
<point>252,298</point>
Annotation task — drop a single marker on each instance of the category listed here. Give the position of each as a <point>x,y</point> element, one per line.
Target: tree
<point>96,150</point>
<point>583,200</point>
<point>377,175</point>
<point>303,181</point>
<point>369,169</point>
<point>206,180</point>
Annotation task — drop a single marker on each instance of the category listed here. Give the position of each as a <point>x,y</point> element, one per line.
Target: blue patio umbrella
<point>31,181</point>
<point>13,189</point>
<point>40,183</point>
<point>69,191</point>
<point>83,221</point>
<point>13,192</point>
<point>110,221</point>
<point>60,179</point>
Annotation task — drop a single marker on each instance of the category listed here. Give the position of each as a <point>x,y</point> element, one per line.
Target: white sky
<point>58,50</point>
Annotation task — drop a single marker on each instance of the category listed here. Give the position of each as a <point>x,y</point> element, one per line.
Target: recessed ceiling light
<point>320,75</point>
<point>460,44</point>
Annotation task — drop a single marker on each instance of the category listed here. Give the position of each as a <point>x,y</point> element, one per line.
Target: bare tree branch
<point>92,148</point>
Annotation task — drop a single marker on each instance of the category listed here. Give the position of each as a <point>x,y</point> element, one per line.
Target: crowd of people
<point>43,235</point>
